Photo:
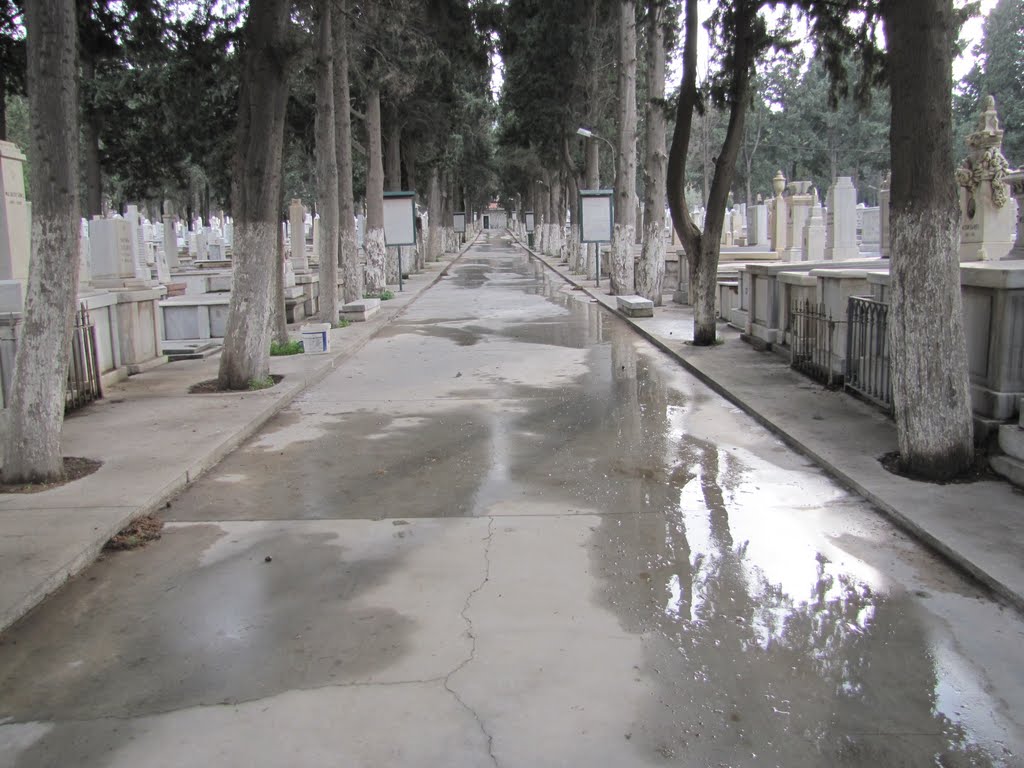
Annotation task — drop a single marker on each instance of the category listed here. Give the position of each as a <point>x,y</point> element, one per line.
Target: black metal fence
<point>84,369</point>
<point>813,342</point>
<point>867,350</point>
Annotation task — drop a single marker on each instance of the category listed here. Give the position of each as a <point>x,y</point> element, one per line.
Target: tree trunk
<point>278,310</point>
<point>3,106</point>
<point>263,94</point>
<point>91,144</point>
<point>702,249</point>
<point>373,243</point>
<point>36,406</point>
<point>556,212</point>
<point>930,383</point>
<point>393,155</point>
<point>327,165</point>
<point>434,244</point>
<point>351,271</point>
<point>650,273</point>
<point>393,181</point>
<point>624,233</point>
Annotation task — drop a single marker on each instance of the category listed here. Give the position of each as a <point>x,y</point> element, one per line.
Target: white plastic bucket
<point>316,338</point>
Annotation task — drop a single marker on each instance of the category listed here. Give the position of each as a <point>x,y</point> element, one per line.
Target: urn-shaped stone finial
<point>779,183</point>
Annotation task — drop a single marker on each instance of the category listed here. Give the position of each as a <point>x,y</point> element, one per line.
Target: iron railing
<point>814,331</point>
<point>83,370</point>
<point>867,350</point>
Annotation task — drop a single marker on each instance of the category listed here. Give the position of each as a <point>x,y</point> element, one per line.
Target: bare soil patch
<point>979,470</point>
<point>75,468</point>
<point>138,534</point>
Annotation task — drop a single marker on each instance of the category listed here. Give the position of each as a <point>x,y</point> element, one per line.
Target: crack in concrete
<point>472,645</point>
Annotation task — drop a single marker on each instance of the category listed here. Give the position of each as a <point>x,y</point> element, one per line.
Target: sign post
<point>399,224</point>
<point>459,225</point>
<point>528,215</point>
<point>596,220</point>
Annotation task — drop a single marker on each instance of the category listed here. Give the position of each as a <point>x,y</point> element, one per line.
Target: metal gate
<point>867,350</point>
<point>812,344</point>
<point>83,370</point>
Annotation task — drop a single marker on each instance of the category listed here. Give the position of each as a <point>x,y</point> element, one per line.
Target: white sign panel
<point>399,218</point>
<point>459,222</point>
<point>595,216</point>
<point>529,221</point>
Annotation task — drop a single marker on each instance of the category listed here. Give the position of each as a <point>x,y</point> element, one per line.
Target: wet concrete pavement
<point>510,532</point>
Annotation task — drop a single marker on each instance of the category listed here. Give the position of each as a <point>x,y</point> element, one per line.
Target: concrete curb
<point>209,459</point>
<point>908,525</point>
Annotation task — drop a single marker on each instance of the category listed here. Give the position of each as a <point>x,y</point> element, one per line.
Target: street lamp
<point>588,134</point>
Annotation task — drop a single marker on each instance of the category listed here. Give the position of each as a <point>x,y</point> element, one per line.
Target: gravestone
<point>315,255</point>
<point>798,210</point>
<point>739,224</point>
<point>297,229</point>
<point>84,256</point>
<point>814,233</point>
<point>883,216</point>
<point>170,243</point>
<point>110,246</point>
<point>841,221</point>
<point>138,246</point>
<point>757,225</point>
<point>871,229</point>
<point>987,212</point>
<point>15,228</point>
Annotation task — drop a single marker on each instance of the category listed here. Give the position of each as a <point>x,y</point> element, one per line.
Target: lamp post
<point>588,134</point>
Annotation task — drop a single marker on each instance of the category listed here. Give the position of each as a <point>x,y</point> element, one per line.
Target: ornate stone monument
<point>987,211</point>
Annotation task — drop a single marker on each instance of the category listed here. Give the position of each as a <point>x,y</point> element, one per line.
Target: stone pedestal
<point>779,216</point>
<point>841,221</point>
<point>1011,441</point>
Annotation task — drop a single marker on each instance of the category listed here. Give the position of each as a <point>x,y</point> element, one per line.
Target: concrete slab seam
<point>959,561</point>
<point>472,645</point>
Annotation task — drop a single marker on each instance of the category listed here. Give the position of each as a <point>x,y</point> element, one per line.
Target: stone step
<point>635,306</point>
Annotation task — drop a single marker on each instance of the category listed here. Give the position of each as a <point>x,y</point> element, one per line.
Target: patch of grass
<point>342,323</point>
<point>257,384</point>
<point>384,295</point>
<point>213,387</point>
<point>293,347</point>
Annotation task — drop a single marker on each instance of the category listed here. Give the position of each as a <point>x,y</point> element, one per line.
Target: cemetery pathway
<point>511,532</point>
